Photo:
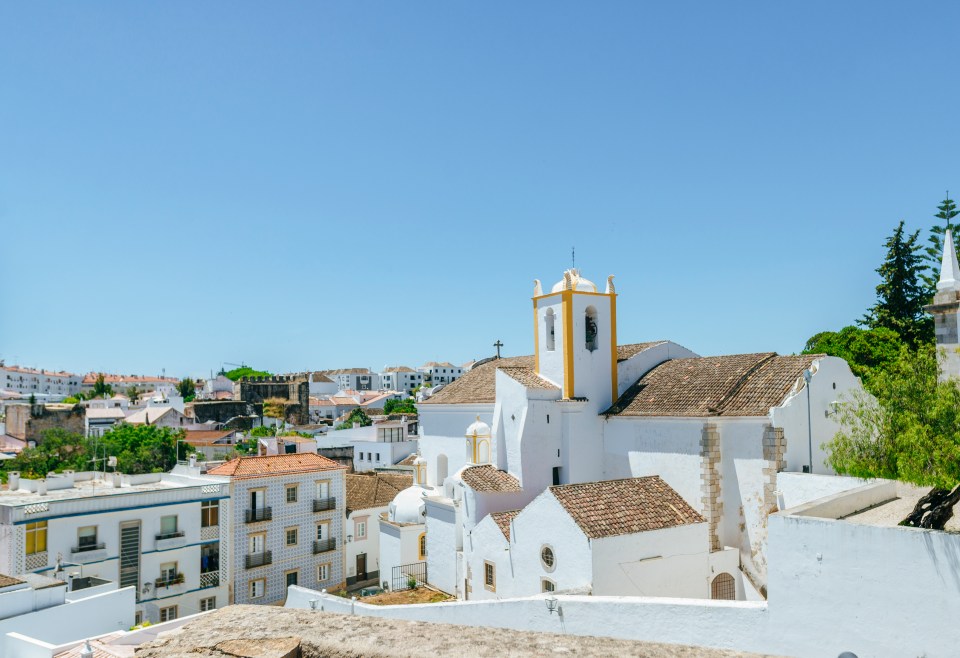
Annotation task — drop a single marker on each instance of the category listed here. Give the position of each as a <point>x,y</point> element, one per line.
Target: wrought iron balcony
<point>324,545</point>
<point>88,547</point>
<point>259,514</point>
<point>324,504</point>
<point>254,560</point>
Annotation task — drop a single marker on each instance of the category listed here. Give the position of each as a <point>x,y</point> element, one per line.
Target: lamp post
<point>807,376</point>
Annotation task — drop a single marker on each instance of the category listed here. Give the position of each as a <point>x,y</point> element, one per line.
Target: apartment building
<point>288,521</point>
<point>356,379</point>
<point>44,384</point>
<point>159,533</point>
<point>441,373</point>
<point>400,378</point>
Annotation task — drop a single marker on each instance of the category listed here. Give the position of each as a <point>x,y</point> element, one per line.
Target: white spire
<point>949,270</point>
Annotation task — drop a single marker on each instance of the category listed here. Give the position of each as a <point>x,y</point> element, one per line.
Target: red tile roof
<point>622,507</point>
<point>503,519</point>
<point>270,465</point>
<point>488,479</point>
<point>733,385</point>
<point>377,490</point>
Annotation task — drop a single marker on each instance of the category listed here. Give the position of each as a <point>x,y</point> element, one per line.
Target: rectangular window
<point>323,531</point>
<point>210,513</point>
<point>323,572</point>
<point>168,525</point>
<point>292,536</point>
<point>360,530</point>
<point>138,617</point>
<point>36,537</point>
<point>257,542</point>
<point>168,614</point>
<point>291,577</point>
<point>168,572</point>
<point>257,587</point>
<point>489,576</point>
<point>323,486</point>
<point>292,494</point>
<point>87,538</point>
<point>208,604</point>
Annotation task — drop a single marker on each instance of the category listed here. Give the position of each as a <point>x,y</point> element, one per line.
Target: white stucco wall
<point>370,545</point>
<point>441,545</point>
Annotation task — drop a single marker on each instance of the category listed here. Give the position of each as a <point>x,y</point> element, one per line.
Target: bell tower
<point>575,337</point>
<point>946,310</point>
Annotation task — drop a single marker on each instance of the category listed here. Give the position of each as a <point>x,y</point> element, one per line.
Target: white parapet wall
<point>724,624</point>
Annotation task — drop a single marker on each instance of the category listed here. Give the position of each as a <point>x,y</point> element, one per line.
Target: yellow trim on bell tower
<point>614,383</point>
<point>536,339</point>
<point>567,303</point>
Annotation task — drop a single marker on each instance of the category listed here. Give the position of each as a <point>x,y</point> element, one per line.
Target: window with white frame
<point>323,572</point>
<point>547,585</point>
<point>360,529</point>
<point>292,536</point>
<point>168,572</point>
<point>208,604</point>
<point>257,587</point>
<point>168,613</point>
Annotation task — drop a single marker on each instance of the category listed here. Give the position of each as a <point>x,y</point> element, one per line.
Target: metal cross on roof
<point>498,345</point>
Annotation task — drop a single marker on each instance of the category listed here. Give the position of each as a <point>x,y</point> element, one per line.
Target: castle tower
<point>575,337</point>
<point>946,310</point>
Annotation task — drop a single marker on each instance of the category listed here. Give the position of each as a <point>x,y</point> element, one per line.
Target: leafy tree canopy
<point>138,449</point>
<point>101,388</point>
<point>246,371</point>
<point>900,294</point>
<point>910,431</point>
<point>868,351</point>
<point>187,388</point>
<point>359,416</point>
<point>407,406</point>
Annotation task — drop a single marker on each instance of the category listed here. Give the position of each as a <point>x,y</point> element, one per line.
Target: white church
<point>608,469</point>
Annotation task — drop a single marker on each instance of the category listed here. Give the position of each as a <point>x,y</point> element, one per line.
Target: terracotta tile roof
<point>320,378</point>
<point>734,385</point>
<point>346,371</point>
<point>207,436</point>
<point>7,581</point>
<point>528,377</point>
<point>479,385</point>
<point>34,371</point>
<point>374,411</point>
<point>342,399</point>
<point>399,369</point>
<point>91,377</point>
<point>270,465</point>
<point>407,461</point>
<point>441,364</point>
<point>487,479</point>
<point>622,507</point>
<point>377,490</point>
<point>321,402</point>
<point>624,352</point>
<point>503,519</point>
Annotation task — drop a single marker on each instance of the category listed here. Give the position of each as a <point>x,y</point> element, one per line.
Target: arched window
<point>551,330</point>
<point>422,545</point>
<point>723,588</point>
<point>483,451</point>
<point>590,334</point>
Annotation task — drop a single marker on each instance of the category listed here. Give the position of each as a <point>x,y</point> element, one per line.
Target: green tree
<point>101,388</point>
<point>407,406</point>
<point>358,415</point>
<point>187,389</point>
<point>910,431</point>
<point>246,371</point>
<point>58,449</point>
<point>142,448</point>
<point>900,294</point>
<point>133,393</point>
<point>934,251</point>
<point>33,399</point>
<point>868,351</point>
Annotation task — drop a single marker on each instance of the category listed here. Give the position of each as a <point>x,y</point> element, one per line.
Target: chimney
<point>116,480</point>
<point>193,460</point>
<point>42,487</point>
<point>13,480</point>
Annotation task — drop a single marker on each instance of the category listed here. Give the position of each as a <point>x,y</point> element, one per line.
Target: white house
<point>438,374</point>
<point>120,383</point>
<point>100,420</point>
<point>355,379</point>
<point>584,408</point>
<point>321,385</point>
<point>38,611</point>
<point>368,496</point>
<point>400,378</point>
<point>158,533</point>
<point>631,537</point>
<point>287,519</point>
<point>162,416</point>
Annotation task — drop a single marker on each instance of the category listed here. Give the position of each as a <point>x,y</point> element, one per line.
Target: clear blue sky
<point>319,185</point>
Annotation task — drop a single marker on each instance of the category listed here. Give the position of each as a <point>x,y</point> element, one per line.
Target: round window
<point>546,557</point>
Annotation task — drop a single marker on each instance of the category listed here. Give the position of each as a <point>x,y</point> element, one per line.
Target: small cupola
<point>478,442</point>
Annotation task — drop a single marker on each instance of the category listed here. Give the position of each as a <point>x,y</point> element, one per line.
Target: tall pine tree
<point>901,295</point>
<point>934,251</point>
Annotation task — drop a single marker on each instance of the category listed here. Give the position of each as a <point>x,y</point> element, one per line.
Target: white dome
<point>478,428</point>
<point>408,506</point>
<point>576,282</point>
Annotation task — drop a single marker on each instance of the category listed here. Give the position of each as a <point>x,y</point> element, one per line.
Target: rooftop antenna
<point>573,258</point>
